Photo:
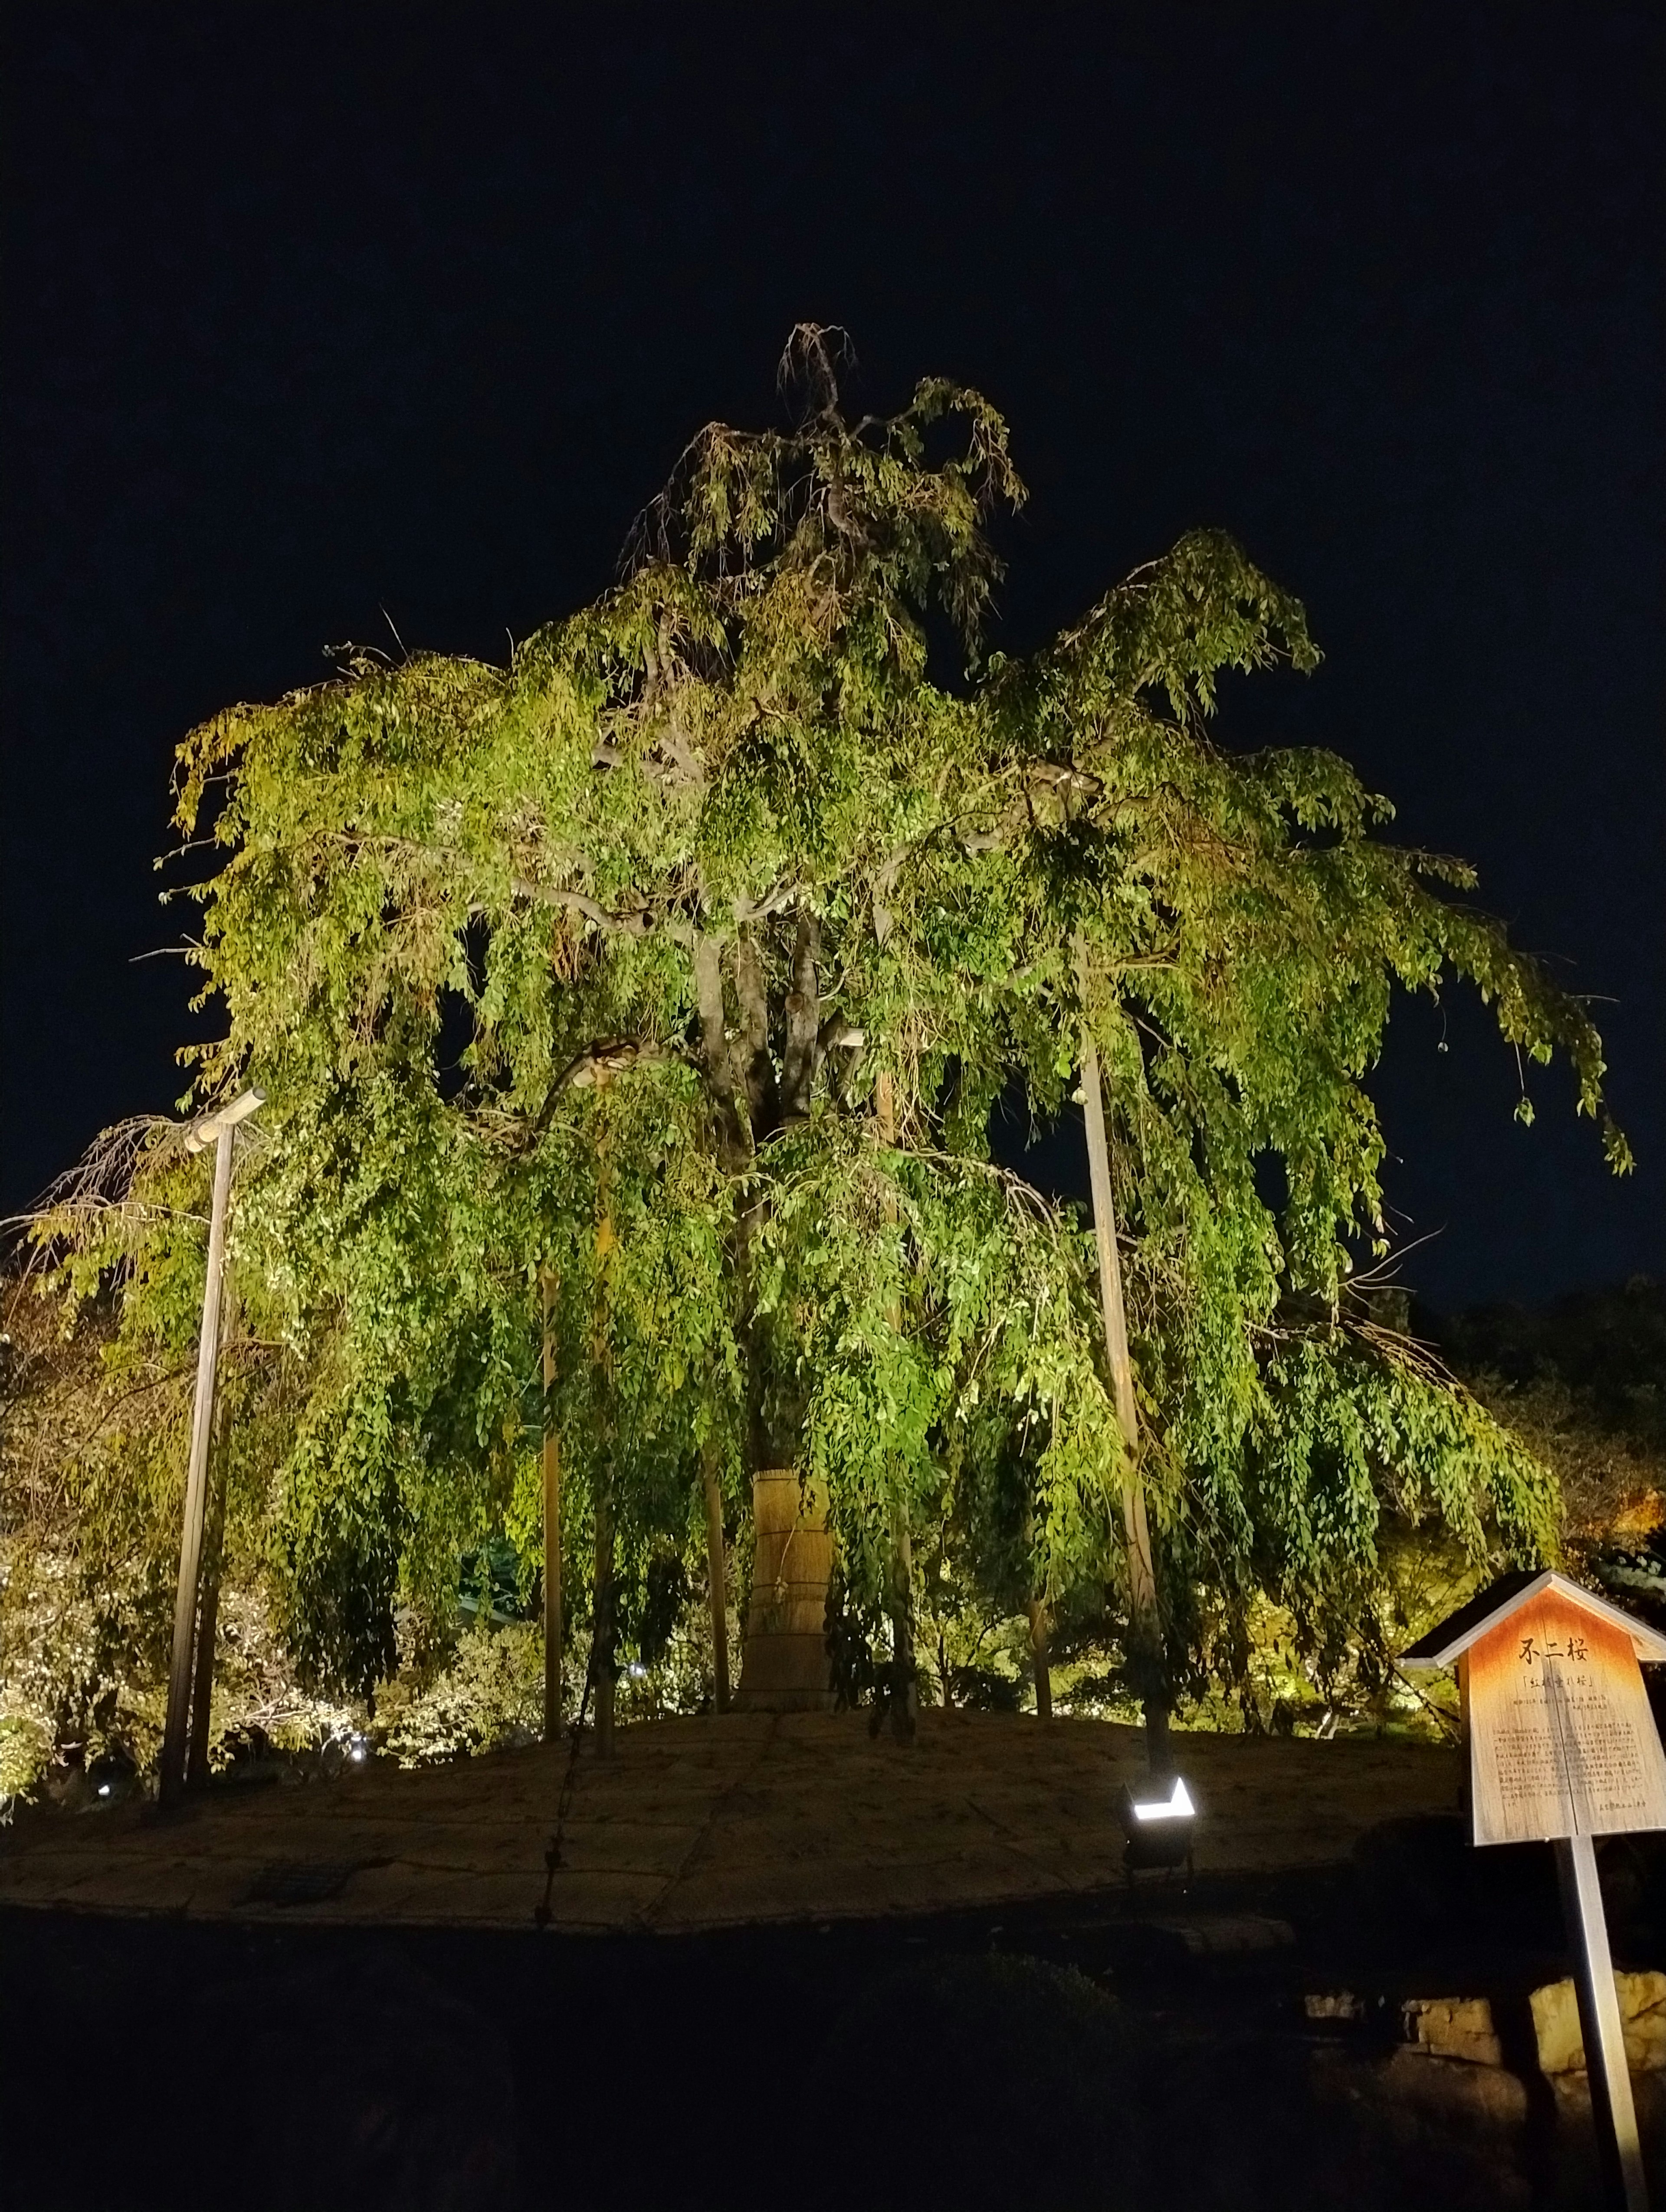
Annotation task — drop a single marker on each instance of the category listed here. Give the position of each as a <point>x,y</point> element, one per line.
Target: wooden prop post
<point>603,1618</point>
<point>717,1575</point>
<point>1563,1747</point>
<point>1145,1622</point>
<point>551,1525</point>
<point>904,1684</point>
<point>220,1131</point>
<point>207,1629</point>
<point>602,1615</point>
<point>214,1540</point>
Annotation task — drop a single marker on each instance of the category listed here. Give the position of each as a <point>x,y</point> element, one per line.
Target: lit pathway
<point>708,1823</point>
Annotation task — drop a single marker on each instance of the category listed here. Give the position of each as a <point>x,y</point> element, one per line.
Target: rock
<point>1416,2129</point>
<point>1454,2027</point>
<point>1437,2089</point>
<point>1642,2019</point>
<point>1215,1935</point>
<point>1337,2004</point>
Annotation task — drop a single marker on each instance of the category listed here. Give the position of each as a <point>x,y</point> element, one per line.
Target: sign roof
<point>1508,1595</point>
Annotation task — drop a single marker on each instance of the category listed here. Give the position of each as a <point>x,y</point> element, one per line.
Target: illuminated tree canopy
<point>590,964</point>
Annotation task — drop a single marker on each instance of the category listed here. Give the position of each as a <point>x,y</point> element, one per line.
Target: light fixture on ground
<point>1159,1827</point>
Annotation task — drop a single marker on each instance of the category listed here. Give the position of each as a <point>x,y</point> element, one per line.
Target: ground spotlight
<point>1159,1827</point>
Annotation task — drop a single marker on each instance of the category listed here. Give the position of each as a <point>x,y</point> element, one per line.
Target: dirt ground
<point>711,1823</point>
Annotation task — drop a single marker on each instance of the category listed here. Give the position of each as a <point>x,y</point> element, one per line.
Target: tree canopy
<point>590,964</point>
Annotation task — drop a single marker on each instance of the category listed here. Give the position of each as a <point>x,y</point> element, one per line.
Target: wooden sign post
<point>1563,1747</point>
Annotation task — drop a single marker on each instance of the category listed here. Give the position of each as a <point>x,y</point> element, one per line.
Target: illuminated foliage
<point>590,964</point>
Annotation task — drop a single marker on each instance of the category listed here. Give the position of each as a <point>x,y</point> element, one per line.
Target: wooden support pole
<point>1145,1621</point>
<point>717,1575</point>
<point>214,1539</point>
<point>603,1625</point>
<point>208,1629</point>
<point>1613,2111</point>
<point>904,1684</point>
<point>552,1685</point>
<point>603,1628</point>
<point>177,1727</point>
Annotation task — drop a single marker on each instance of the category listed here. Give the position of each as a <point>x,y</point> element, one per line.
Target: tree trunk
<point>1038,1656</point>
<point>785,1666</point>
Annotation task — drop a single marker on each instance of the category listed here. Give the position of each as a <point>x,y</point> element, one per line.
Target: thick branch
<point>683,764</point>
<point>757,1070</point>
<point>678,764</point>
<point>719,1061</point>
<point>596,1066</point>
<point>635,922</point>
<point>800,1059</point>
<point>773,901</point>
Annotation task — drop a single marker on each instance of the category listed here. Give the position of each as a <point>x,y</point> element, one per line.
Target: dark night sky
<point>313,312</point>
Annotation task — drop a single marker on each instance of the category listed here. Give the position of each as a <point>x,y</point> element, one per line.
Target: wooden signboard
<point>1563,1747</point>
<point>1561,1739</point>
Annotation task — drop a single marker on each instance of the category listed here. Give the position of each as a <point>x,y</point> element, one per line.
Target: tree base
<point>786,1667</point>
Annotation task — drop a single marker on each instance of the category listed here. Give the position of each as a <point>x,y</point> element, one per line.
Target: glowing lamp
<point>1158,1827</point>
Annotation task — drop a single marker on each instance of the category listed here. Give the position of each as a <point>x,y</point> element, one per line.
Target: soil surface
<point>711,1823</point>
